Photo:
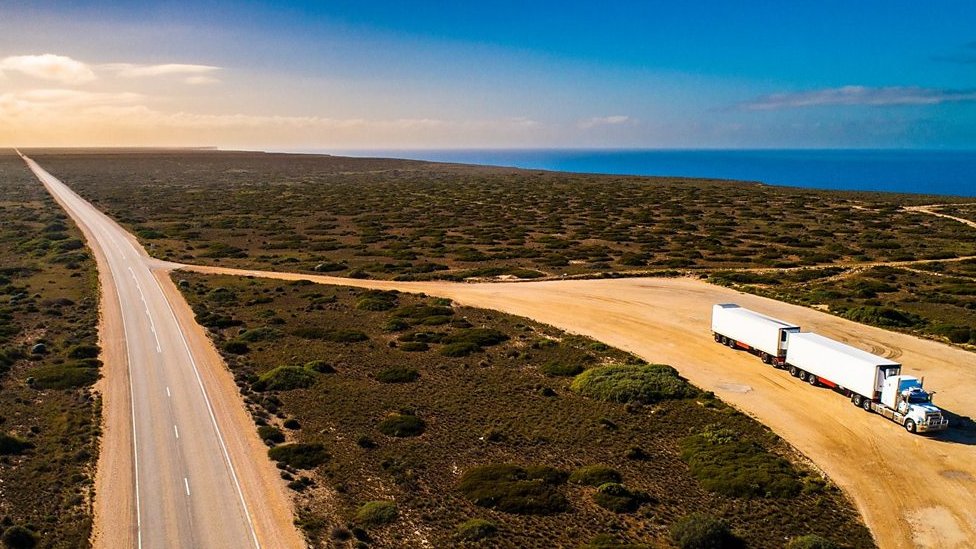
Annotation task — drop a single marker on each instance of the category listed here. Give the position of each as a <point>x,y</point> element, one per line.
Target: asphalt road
<point>185,489</point>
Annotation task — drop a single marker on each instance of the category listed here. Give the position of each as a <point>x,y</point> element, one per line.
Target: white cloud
<point>193,74</point>
<point>614,120</point>
<point>49,67</point>
<point>860,95</point>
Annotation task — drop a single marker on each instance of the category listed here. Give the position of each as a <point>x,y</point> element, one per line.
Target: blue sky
<point>337,74</point>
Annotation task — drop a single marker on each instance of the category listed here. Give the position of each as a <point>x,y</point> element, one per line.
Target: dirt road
<point>913,491</point>
<point>181,464</point>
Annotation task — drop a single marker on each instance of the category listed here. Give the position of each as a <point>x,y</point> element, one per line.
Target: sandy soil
<point>913,491</point>
<point>930,209</point>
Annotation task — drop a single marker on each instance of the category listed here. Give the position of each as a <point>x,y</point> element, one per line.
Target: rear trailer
<point>762,335</point>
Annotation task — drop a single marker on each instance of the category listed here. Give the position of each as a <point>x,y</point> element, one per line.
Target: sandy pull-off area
<point>914,491</point>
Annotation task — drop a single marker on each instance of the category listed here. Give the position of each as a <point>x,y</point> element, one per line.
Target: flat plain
<point>48,361</point>
<point>409,220</point>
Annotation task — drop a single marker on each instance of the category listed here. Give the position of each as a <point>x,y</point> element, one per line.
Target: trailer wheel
<point>718,338</point>
<point>794,371</point>
<point>866,404</point>
<point>766,358</point>
<point>730,342</point>
<point>802,375</point>
<point>910,426</point>
<point>812,380</point>
<point>856,400</point>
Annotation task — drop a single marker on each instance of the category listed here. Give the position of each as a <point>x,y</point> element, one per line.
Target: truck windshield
<point>918,398</point>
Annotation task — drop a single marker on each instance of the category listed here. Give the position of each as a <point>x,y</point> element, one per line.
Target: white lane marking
<point>167,392</point>
<point>213,418</point>
<point>152,325</point>
<point>49,181</point>
<point>187,484</point>
<point>176,431</point>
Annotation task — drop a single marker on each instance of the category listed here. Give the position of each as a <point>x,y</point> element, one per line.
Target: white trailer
<point>762,335</point>
<point>872,382</point>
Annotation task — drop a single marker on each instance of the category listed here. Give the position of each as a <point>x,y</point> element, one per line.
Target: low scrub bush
<point>84,351</point>
<point>888,317</point>
<point>320,366</point>
<point>236,347</point>
<point>19,537</point>
<point>475,530</point>
<point>461,349</point>
<point>641,383</point>
<point>398,374</point>
<point>63,376</point>
<point>299,455</point>
<point>13,445</point>
<point>326,334</point>
<point>727,465</point>
<point>263,333</point>
<point>376,300</point>
<point>701,531</point>
<point>269,433</point>
<point>594,475</point>
<point>559,369</point>
<point>401,426</point>
<point>615,497</point>
<point>284,378</point>
<point>513,489</point>
<point>414,347</point>
<point>482,337</point>
<point>377,513</point>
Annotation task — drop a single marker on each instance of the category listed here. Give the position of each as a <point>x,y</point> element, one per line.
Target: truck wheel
<point>766,358</point>
<point>730,342</point>
<point>910,426</point>
<point>794,371</point>
<point>802,375</point>
<point>866,404</point>
<point>856,400</point>
<point>718,338</point>
<point>812,380</point>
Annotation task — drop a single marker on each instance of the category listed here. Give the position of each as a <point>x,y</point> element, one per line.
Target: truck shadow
<point>962,429</point>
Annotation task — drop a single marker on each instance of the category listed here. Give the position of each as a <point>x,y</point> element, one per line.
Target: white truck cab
<point>905,401</point>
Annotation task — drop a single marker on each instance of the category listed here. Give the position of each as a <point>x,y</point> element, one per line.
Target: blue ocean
<point>903,171</point>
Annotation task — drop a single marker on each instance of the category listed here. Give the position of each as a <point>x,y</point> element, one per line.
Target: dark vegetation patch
<point>490,408</point>
<point>49,417</point>
<point>476,530</point>
<point>513,489</point>
<point>703,531</point>
<point>728,465</point>
<point>284,378</point>
<point>401,425</point>
<point>375,513</point>
<point>300,455</point>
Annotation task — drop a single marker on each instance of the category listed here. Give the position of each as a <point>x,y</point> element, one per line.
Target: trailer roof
<point>853,352</point>
<point>738,310</point>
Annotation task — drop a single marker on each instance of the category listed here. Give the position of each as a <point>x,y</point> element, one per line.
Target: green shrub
<point>270,433</point>
<point>84,351</point>
<point>726,465</point>
<point>616,497</point>
<point>320,366</point>
<point>888,317</point>
<point>458,350</point>
<point>236,347</point>
<point>377,300</point>
<point>414,347</point>
<point>811,541</point>
<point>63,376</point>
<point>12,445</point>
<point>642,383</point>
<point>561,370</point>
<point>401,426</point>
<point>475,530</point>
<point>594,475</point>
<point>284,378</point>
<point>701,531</point>
<point>398,374</point>
<point>326,334</point>
<point>299,455</point>
<point>513,489</point>
<point>263,333</point>
<point>482,337</point>
<point>417,313</point>
<point>19,537</point>
<point>376,513</point>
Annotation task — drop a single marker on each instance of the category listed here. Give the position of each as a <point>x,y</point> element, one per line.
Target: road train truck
<point>757,333</point>
<point>872,382</point>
